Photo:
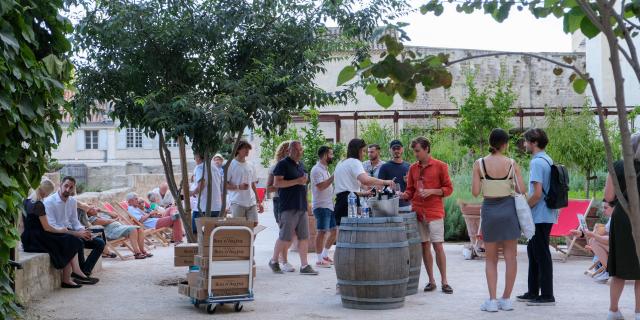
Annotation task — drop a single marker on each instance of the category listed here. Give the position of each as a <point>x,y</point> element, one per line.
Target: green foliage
<point>34,68</point>
<point>374,132</point>
<point>312,138</point>
<point>576,142</point>
<point>484,110</point>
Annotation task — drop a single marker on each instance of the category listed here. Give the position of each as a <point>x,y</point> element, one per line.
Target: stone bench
<point>38,277</point>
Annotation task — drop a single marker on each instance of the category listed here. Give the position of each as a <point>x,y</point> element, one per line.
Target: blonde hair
<point>282,150</point>
<point>46,185</point>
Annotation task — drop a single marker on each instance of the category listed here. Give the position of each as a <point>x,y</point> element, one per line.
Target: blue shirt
<point>294,197</point>
<point>399,171</point>
<point>540,171</point>
<point>137,213</point>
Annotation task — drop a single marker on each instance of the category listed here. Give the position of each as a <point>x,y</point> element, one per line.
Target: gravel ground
<point>140,289</point>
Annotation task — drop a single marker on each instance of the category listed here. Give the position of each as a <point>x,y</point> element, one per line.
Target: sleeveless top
<point>496,188</point>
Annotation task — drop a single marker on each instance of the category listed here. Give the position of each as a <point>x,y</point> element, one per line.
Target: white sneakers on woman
<point>494,305</point>
<point>615,315</point>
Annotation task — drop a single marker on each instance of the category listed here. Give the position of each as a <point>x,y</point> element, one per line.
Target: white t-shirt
<point>167,199</point>
<point>321,198</point>
<point>239,173</point>
<point>216,193</point>
<point>346,175</point>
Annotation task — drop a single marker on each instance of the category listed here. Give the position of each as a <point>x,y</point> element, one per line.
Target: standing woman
<point>281,152</point>
<point>61,244</point>
<point>350,176</point>
<point>493,178</point>
<point>623,262</point>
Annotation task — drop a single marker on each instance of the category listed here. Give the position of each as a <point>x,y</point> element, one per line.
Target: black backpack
<point>558,195</point>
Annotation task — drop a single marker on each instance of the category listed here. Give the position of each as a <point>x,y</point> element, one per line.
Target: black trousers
<point>97,245</point>
<point>540,264</point>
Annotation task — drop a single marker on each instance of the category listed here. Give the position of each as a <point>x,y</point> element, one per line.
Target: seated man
<point>153,219</point>
<point>598,243</point>
<point>114,230</point>
<point>166,198</point>
<point>62,212</point>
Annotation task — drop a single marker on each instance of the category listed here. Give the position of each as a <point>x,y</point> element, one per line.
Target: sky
<point>520,32</point>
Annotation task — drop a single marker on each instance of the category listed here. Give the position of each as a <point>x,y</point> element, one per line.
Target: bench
<point>38,277</point>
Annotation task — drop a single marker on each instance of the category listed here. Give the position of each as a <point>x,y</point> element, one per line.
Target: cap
<point>395,143</point>
<point>218,156</point>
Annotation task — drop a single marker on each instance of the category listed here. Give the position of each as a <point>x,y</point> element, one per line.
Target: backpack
<point>558,195</point>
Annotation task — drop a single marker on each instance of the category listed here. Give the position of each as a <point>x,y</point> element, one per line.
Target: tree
<point>616,22</point>
<point>34,68</point>
<point>483,110</point>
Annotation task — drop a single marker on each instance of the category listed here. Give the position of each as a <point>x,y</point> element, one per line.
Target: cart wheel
<point>237,307</point>
<point>211,308</point>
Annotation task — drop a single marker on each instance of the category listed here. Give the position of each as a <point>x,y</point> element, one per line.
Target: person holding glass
<point>428,183</point>
<point>396,169</point>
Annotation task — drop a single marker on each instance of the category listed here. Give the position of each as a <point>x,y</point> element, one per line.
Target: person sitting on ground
<point>152,220</point>
<point>166,198</point>
<point>598,242</point>
<point>114,230</point>
<point>61,244</point>
<point>62,212</point>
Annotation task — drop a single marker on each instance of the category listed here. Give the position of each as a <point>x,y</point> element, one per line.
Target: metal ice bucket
<point>384,207</point>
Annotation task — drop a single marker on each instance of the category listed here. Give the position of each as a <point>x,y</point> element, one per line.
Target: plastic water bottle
<point>353,209</point>
<point>366,211</point>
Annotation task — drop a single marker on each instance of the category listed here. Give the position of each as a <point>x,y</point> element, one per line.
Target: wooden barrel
<point>372,262</point>
<point>415,251</point>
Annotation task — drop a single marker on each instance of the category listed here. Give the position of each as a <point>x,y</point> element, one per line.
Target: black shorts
<point>341,208</point>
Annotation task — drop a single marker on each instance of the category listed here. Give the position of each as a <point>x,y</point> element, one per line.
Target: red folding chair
<point>567,221</point>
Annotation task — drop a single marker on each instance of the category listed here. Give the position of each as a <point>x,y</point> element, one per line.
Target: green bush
<point>455,229</point>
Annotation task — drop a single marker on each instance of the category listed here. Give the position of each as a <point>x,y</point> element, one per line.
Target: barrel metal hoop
<point>415,240</point>
<point>401,299</point>
<point>371,229</point>
<point>372,245</point>
<point>370,220</point>
<point>414,269</point>
<point>372,282</point>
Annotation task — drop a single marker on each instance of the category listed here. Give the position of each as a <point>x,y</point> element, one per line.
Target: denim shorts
<point>325,219</point>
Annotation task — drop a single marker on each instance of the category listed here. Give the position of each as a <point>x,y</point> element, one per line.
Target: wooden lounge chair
<point>157,234</point>
<point>122,241</point>
<point>568,220</point>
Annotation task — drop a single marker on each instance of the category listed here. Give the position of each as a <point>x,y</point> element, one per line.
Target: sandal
<point>430,287</point>
<point>147,254</point>
<point>447,289</point>
<point>139,256</point>
<point>109,255</point>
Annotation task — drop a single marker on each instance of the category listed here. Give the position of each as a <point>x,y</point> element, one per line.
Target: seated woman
<point>598,243</point>
<point>62,244</point>
<point>114,230</point>
<point>156,205</point>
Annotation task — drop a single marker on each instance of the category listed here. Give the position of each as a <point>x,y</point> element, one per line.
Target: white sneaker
<point>505,304</point>
<point>601,278</point>
<point>490,306</point>
<point>287,267</point>
<point>615,315</point>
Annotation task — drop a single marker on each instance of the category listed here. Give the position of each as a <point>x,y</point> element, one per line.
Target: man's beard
<point>66,194</point>
<point>329,160</point>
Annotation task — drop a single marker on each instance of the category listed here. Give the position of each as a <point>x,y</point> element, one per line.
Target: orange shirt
<point>435,175</point>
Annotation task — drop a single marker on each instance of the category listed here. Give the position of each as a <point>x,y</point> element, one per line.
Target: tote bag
<point>525,219</point>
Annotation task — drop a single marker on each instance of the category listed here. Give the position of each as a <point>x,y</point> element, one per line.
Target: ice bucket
<point>384,207</point>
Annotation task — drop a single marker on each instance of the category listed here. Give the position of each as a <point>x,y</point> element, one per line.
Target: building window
<point>134,138</point>
<point>91,139</point>
<point>172,143</point>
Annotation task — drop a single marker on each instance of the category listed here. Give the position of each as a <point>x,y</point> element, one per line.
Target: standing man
<point>372,166</point>
<point>396,169</point>
<point>218,162</point>
<point>62,212</point>
<point>166,198</point>
<point>291,180</point>
<point>322,205</point>
<point>201,191</point>
<point>241,183</point>
<point>428,184</point>
<point>540,291</point>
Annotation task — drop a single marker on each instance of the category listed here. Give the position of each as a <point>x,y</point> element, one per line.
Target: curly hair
<point>282,150</point>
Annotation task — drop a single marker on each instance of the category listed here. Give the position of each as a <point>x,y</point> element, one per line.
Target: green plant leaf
<point>384,100</point>
<point>4,178</point>
<point>572,20</point>
<point>346,74</point>
<point>579,85</point>
<point>588,29</point>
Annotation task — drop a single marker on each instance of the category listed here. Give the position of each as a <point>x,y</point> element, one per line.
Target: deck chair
<point>112,245</point>
<point>157,234</point>
<point>148,236</point>
<point>567,220</point>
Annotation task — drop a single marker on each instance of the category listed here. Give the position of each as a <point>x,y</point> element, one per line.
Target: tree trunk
<point>185,184</point>
<point>633,196</point>
<point>586,184</point>
<point>223,210</point>
<point>207,167</point>
<point>165,157</point>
